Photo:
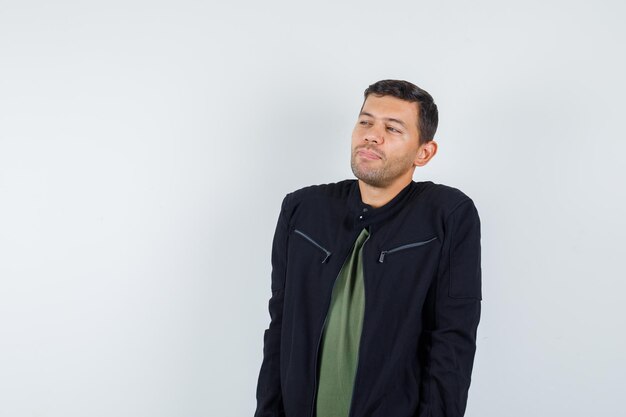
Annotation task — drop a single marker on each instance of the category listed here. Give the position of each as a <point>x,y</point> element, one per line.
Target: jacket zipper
<point>381,259</point>
<point>304,235</point>
<point>319,340</point>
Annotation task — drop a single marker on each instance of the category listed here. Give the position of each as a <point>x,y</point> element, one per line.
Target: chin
<point>370,178</point>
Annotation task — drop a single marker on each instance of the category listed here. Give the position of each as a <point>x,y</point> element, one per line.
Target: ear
<point>425,153</point>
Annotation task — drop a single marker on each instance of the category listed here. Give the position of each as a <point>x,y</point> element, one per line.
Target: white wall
<point>145,148</point>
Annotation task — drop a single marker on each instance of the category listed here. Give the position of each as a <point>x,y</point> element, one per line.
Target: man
<point>376,282</point>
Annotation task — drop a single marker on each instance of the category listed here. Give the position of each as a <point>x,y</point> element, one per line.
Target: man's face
<point>385,141</point>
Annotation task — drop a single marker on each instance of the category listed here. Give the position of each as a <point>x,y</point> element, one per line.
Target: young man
<point>376,282</point>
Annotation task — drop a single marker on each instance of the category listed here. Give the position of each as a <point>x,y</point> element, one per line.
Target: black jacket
<point>422,278</point>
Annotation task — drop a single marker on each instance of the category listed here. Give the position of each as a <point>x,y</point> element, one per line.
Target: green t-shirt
<point>342,333</point>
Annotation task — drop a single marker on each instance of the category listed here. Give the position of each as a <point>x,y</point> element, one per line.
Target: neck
<point>379,196</point>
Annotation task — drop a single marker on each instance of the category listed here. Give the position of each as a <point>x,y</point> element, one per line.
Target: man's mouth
<point>368,154</point>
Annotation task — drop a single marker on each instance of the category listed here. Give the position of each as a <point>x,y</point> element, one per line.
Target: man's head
<point>394,133</point>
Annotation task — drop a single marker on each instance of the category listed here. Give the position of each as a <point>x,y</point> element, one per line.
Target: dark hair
<point>428,117</point>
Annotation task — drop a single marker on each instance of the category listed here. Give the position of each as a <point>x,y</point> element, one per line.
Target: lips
<point>368,154</point>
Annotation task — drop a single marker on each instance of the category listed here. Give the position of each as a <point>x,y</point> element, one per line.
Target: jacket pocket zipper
<point>384,253</point>
<point>304,235</point>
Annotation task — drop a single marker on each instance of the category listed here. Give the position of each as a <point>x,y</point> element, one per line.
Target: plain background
<point>145,148</point>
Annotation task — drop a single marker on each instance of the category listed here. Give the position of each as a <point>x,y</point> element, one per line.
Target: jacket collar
<point>363,214</point>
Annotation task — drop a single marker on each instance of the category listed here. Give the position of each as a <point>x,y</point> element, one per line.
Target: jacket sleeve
<point>268,394</point>
<point>451,315</point>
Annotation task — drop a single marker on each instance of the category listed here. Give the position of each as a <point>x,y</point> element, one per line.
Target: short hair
<point>428,116</point>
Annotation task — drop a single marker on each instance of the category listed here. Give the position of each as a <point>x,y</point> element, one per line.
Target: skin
<point>386,149</point>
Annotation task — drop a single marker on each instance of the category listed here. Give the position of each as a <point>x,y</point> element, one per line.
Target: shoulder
<point>444,197</point>
<point>330,191</point>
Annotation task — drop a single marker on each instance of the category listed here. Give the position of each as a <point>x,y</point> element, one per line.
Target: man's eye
<point>364,122</point>
<point>393,129</point>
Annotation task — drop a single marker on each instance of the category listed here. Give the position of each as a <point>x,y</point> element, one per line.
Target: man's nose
<point>375,134</point>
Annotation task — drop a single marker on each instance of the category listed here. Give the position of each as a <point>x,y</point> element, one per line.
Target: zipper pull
<point>382,256</point>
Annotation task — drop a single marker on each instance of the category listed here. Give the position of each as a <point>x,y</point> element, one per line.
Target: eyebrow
<point>389,119</point>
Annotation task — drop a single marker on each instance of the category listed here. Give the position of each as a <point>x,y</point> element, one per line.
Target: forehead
<point>391,107</point>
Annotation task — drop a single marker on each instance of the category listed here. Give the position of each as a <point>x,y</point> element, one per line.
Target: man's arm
<point>268,394</point>
<point>452,316</point>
